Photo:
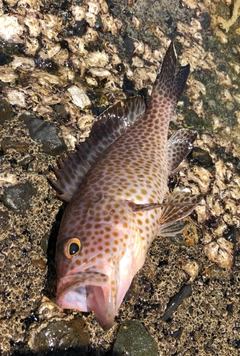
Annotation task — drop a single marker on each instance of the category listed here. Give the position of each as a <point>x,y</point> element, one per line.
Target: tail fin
<point>169,85</point>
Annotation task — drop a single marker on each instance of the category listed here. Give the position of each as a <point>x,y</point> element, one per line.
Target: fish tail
<point>168,87</point>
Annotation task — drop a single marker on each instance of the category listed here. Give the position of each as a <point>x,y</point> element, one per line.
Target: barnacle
<point>220,252</point>
<point>226,24</point>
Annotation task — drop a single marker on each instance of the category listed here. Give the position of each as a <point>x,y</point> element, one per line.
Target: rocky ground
<point>61,64</point>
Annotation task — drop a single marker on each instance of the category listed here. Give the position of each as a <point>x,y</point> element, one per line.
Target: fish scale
<point>118,198</point>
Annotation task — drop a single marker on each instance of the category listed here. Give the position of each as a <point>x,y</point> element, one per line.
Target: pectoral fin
<point>171,229</point>
<point>178,205</point>
<point>144,207</point>
<point>179,146</point>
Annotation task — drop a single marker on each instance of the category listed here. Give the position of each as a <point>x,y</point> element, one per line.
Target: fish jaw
<point>89,291</point>
<point>100,289</point>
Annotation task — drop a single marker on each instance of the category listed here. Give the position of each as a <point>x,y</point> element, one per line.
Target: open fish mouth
<point>87,292</point>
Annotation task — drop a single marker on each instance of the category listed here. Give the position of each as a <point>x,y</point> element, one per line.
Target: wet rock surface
<point>8,143</point>
<point>201,158</point>
<point>46,133</point>
<point>133,339</point>
<point>67,338</point>
<point>112,50</point>
<point>17,197</point>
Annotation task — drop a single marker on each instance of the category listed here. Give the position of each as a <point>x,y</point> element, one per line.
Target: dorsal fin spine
<point>110,125</point>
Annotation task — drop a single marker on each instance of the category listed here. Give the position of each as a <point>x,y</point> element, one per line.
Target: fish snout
<point>89,291</point>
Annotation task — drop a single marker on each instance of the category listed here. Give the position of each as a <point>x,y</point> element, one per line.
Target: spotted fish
<point>116,186</point>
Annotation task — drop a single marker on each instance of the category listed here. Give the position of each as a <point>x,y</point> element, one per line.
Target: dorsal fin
<point>110,125</point>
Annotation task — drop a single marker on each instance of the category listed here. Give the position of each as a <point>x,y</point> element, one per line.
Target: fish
<point>118,201</point>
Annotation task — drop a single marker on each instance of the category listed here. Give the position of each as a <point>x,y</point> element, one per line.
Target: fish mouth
<point>87,292</point>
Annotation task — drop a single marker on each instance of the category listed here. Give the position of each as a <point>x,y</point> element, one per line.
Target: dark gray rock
<point>46,133</point>
<point>8,143</point>
<point>62,338</point>
<point>201,158</point>
<point>133,339</point>
<point>17,198</point>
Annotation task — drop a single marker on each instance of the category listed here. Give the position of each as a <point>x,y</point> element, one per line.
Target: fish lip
<point>77,280</point>
<point>76,292</point>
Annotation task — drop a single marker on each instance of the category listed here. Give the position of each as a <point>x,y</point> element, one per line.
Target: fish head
<point>94,243</point>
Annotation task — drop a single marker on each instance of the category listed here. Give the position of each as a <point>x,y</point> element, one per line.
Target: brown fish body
<point>122,202</point>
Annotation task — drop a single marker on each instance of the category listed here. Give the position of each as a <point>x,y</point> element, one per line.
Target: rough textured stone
<point>60,336</point>
<point>133,339</point>
<point>17,197</point>
<point>46,133</point>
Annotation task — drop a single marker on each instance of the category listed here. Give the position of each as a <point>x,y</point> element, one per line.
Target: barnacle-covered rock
<point>226,24</point>
<point>14,28</point>
<point>96,59</point>
<point>48,49</point>
<point>79,97</point>
<point>16,97</point>
<point>192,268</point>
<point>220,252</point>
<point>6,112</point>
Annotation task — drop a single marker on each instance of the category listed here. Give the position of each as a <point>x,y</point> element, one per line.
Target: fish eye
<point>72,247</point>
